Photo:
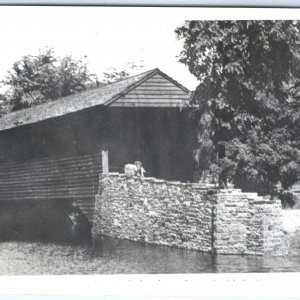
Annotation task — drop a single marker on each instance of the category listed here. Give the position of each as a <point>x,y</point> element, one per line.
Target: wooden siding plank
<point>154,97</point>
<point>44,181</point>
<point>54,161</point>
<point>156,91</point>
<point>73,178</point>
<point>158,83</point>
<point>48,197</point>
<point>160,78</point>
<point>146,87</point>
<point>153,87</point>
<point>60,173</point>
<point>50,189</point>
<point>152,101</point>
<point>41,166</point>
<point>166,85</point>
<point>146,105</point>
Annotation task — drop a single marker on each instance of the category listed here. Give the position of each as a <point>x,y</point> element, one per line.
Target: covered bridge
<point>53,150</point>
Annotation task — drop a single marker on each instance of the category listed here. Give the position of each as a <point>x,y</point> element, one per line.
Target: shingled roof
<point>98,96</point>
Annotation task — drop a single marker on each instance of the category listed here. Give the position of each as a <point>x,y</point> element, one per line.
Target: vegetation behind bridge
<point>247,101</point>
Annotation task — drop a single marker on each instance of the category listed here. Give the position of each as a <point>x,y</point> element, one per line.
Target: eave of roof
<point>80,101</point>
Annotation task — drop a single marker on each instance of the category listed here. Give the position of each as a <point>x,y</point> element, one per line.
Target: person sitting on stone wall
<point>135,169</point>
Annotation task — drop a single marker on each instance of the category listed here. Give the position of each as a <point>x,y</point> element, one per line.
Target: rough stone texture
<point>154,211</point>
<point>248,224</point>
<point>190,216</point>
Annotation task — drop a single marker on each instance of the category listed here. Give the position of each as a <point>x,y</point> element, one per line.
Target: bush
<point>288,199</point>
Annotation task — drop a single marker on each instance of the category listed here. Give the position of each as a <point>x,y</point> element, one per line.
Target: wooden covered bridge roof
<point>149,89</point>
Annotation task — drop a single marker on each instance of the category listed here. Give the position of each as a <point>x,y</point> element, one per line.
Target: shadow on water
<point>140,257</point>
<point>137,257</point>
<point>55,221</point>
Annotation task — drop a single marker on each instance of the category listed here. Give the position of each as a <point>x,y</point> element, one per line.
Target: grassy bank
<point>294,243</point>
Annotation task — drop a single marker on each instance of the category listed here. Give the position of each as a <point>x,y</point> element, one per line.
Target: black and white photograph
<point>141,141</point>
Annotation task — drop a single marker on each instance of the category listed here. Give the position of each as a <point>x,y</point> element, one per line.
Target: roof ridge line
<point>133,86</point>
<point>139,74</point>
<point>173,81</point>
<point>80,92</point>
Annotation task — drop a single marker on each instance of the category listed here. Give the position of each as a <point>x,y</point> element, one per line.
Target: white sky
<point>110,37</point>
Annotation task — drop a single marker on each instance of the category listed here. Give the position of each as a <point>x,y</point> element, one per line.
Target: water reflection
<point>145,258</point>
<point>249,264</point>
<point>112,256</point>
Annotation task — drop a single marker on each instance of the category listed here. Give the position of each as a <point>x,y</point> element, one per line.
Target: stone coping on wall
<point>163,181</point>
<point>252,196</point>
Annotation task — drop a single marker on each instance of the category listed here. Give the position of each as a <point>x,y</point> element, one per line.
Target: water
<point>111,256</point>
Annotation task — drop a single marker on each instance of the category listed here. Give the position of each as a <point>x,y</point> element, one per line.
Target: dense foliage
<point>247,101</point>
<point>41,78</point>
<point>45,77</point>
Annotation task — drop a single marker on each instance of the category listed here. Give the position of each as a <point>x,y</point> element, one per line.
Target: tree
<point>247,101</point>
<point>114,75</point>
<point>3,105</point>
<point>37,79</point>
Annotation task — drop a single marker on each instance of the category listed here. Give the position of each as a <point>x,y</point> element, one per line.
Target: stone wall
<point>248,224</point>
<point>154,211</point>
<point>190,216</point>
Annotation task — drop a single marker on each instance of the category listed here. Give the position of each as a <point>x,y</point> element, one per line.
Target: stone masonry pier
<point>189,216</point>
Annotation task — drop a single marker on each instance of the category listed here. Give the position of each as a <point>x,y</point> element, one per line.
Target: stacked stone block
<point>189,216</point>
<point>248,224</point>
<point>231,214</point>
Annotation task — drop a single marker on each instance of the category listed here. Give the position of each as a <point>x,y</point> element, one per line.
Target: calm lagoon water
<point>110,256</point>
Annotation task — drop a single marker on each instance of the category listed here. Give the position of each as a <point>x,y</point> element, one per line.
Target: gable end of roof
<point>142,80</point>
<point>132,86</point>
<point>173,81</point>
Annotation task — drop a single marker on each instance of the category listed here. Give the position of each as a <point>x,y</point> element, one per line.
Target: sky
<point>109,37</point>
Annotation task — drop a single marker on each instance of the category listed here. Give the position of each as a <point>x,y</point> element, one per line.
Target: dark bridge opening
<point>48,199</point>
<point>58,221</point>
